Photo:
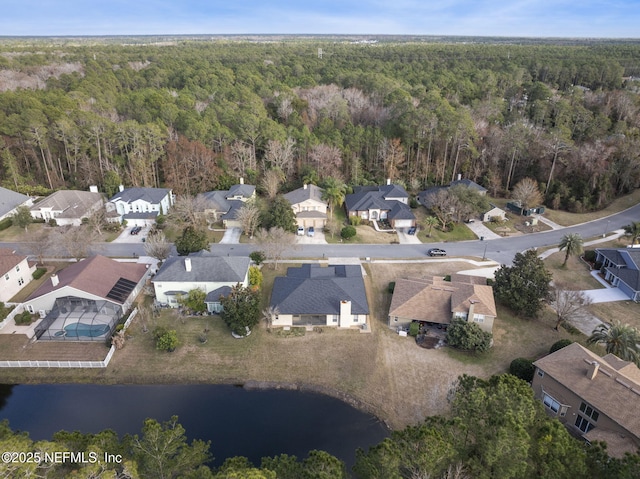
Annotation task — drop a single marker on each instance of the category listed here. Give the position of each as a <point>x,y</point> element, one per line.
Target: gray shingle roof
<point>150,195</point>
<point>311,192</point>
<point>374,197</point>
<point>468,183</point>
<point>10,200</point>
<point>246,191</point>
<point>215,295</point>
<point>204,268</point>
<point>312,289</point>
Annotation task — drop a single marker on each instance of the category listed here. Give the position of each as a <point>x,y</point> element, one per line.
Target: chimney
<point>187,264</point>
<point>388,181</point>
<point>459,176</point>
<point>121,188</point>
<point>472,307</point>
<point>241,180</point>
<point>54,280</point>
<point>304,186</point>
<point>345,313</point>
<point>592,371</point>
<point>93,189</point>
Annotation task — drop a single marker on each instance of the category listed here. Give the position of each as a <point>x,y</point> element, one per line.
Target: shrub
<point>5,224</point>
<point>4,311</point>
<point>355,220</point>
<point>522,368</point>
<point>37,274</point>
<point>258,257</point>
<point>255,277</point>
<point>589,256</point>
<point>414,329</point>
<point>468,336</point>
<point>348,232</point>
<point>52,222</point>
<point>24,318</point>
<point>447,277</point>
<point>166,339</point>
<point>559,345</point>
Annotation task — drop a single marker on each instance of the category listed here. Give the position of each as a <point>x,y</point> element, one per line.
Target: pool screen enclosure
<point>79,319</point>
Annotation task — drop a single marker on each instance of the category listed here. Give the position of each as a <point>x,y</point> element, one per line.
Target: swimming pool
<point>77,330</point>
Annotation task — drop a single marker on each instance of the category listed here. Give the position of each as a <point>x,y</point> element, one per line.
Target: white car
<point>300,231</point>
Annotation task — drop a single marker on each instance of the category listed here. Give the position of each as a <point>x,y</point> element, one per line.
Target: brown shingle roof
<point>95,275</point>
<point>433,299</point>
<point>9,259</point>
<point>614,391</point>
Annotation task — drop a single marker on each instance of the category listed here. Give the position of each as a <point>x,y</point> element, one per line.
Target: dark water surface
<point>238,422</point>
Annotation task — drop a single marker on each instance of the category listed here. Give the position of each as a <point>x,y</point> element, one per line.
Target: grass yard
<point>626,312</point>
<point>565,218</point>
<point>575,275</point>
<point>386,374</point>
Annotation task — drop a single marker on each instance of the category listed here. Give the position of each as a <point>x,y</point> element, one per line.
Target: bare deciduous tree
<point>271,182</point>
<point>327,161</point>
<point>527,193</point>
<point>242,157</point>
<point>568,304</point>
<point>76,241</point>
<point>280,155</point>
<point>42,242</point>
<point>249,218</point>
<point>274,242</point>
<point>157,246</point>
<point>188,211</point>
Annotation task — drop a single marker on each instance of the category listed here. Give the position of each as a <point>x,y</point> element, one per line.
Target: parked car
<point>412,230</point>
<point>136,229</point>
<point>436,252</point>
<point>311,231</point>
<point>300,231</point>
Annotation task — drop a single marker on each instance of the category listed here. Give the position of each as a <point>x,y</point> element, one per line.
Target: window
<point>356,318</point>
<point>551,403</point>
<point>395,318</point>
<point>478,318</point>
<point>540,373</point>
<point>20,282</point>
<point>587,417</point>
<point>18,268</point>
<point>335,318</point>
<point>6,276</point>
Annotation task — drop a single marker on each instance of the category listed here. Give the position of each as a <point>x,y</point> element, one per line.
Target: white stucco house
<point>15,273</point>
<point>494,212</point>
<point>139,206</point>
<point>308,205</point>
<point>68,207</point>
<point>215,275</point>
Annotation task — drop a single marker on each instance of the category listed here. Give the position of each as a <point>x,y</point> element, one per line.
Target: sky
<point>506,18</point>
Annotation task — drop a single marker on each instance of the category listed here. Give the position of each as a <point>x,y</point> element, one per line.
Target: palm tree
<point>334,192</point>
<point>430,222</point>
<point>633,230</point>
<point>572,244</point>
<point>619,339</point>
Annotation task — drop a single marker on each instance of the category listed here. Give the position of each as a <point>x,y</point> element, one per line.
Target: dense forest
<point>197,115</point>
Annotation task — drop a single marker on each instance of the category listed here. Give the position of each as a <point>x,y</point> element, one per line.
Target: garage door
<point>403,223</point>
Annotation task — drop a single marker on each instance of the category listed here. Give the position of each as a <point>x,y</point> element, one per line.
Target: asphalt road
<point>501,250</point>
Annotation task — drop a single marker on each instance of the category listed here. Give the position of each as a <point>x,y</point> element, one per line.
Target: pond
<point>237,421</point>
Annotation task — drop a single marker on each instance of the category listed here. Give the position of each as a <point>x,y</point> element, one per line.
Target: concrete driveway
<point>481,230</point>
<point>317,238</point>
<point>127,237</point>
<point>231,236</point>
<point>405,238</point>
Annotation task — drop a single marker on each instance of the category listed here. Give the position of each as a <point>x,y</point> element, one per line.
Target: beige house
<point>308,205</point>
<point>68,207</point>
<point>15,273</point>
<point>96,278</point>
<point>494,212</point>
<point>313,295</point>
<point>596,398</point>
<point>436,301</point>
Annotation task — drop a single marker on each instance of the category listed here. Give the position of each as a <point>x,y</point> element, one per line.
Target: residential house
<point>493,212</point>
<point>15,273</point>
<point>596,398</point>
<point>436,301</point>
<point>621,267</point>
<point>215,275</point>
<point>139,206</point>
<point>68,207</point>
<point>388,202</point>
<point>225,204</point>
<point>97,278</point>
<point>308,205</point>
<point>313,295</point>
<point>10,200</point>
<point>426,195</point>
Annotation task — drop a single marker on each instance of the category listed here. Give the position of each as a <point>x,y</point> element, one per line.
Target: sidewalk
<point>616,234</point>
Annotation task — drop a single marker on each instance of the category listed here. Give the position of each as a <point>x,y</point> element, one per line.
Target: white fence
<point>68,364</point>
<point>18,309</point>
